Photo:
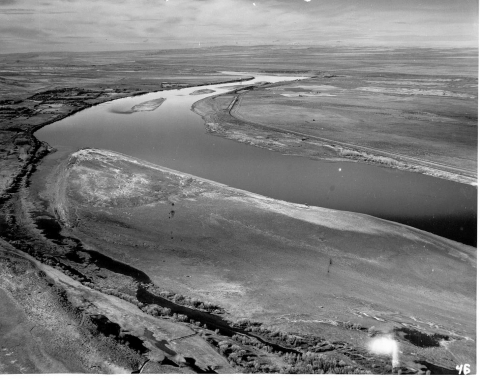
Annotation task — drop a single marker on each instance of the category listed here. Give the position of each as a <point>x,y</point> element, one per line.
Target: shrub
<point>178,298</point>
<point>166,311</point>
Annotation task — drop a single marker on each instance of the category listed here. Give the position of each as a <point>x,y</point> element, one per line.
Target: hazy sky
<point>79,25</point>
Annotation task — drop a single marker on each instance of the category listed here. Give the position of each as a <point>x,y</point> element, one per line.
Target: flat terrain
<point>38,89</point>
<point>284,265</point>
<point>427,118</point>
<point>424,123</point>
<point>113,265</point>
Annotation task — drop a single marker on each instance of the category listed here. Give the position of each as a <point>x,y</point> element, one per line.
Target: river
<point>173,136</point>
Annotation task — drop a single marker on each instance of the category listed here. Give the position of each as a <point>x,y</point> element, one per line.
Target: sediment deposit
<point>150,105</point>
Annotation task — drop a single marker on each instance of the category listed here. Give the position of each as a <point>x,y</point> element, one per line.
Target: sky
<point>97,25</point>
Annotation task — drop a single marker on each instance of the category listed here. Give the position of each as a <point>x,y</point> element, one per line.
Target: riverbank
<point>31,228</point>
<point>38,232</point>
<point>312,127</point>
<point>174,137</point>
<point>202,239</point>
<point>21,118</point>
<point>74,343</point>
<point>88,282</point>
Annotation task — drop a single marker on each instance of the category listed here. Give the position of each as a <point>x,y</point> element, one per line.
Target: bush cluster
<point>157,311</point>
<point>387,161</point>
<point>353,326</point>
<point>238,356</point>
<point>312,363</point>
<point>278,336</point>
<point>186,301</point>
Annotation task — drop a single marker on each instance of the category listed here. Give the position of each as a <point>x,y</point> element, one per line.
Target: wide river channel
<point>173,136</point>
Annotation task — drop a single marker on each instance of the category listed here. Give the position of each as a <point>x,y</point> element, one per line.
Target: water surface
<point>175,137</point>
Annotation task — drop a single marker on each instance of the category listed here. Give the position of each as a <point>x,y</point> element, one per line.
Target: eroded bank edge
<point>216,122</point>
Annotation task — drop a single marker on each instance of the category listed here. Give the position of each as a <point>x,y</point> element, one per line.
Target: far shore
<point>222,118</point>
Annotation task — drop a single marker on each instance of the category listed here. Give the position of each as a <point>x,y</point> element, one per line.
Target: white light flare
<point>385,345</point>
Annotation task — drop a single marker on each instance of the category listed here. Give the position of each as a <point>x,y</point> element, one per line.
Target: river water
<point>173,136</point>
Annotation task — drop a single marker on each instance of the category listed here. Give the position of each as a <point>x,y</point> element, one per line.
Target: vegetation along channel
<point>173,136</point>
<point>177,225</point>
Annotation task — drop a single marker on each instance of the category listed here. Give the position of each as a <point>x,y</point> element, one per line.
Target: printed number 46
<point>465,368</point>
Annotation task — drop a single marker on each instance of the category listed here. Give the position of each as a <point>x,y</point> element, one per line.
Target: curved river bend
<point>173,136</point>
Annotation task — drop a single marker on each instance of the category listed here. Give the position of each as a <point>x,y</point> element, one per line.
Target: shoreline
<point>152,253</point>
<point>327,148</point>
<point>298,210</point>
<point>26,155</point>
<point>194,199</point>
<point>226,123</point>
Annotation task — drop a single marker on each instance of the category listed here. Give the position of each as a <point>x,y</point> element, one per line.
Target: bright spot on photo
<point>385,345</point>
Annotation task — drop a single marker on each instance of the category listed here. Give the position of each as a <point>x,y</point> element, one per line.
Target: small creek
<point>173,136</point>
<point>212,321</point>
